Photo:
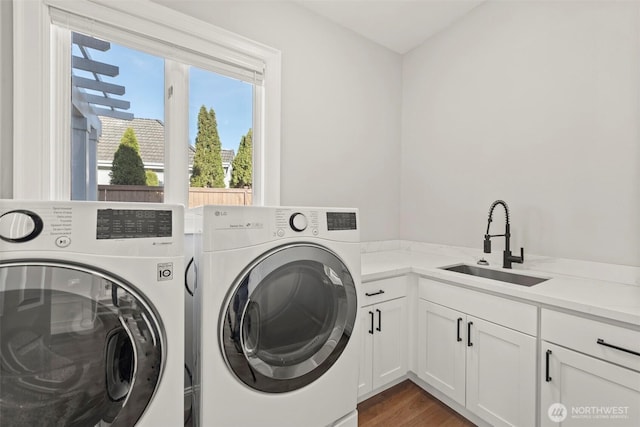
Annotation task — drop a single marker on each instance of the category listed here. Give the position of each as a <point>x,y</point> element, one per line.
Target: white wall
<point>536,103</point>
<point>6,100</point>
<point>341,104</point>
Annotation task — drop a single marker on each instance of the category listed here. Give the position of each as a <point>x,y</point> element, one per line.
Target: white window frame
<point>42,105</point>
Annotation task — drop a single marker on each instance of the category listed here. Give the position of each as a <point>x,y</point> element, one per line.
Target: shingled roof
<point>150,135</point>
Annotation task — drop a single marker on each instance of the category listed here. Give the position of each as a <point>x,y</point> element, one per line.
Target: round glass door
<point>289,316</point>
<point>78,347</point>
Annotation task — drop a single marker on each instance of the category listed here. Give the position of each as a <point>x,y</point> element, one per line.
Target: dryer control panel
<point>226,227</point>
<point>296,221</point>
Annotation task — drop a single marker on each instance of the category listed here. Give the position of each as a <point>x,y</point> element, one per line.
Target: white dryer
<point>276,310</point>
<point>91,314</point>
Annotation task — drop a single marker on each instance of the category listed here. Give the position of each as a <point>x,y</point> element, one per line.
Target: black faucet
<point>507,257</point>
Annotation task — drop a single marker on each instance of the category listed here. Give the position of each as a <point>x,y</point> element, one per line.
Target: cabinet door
<point>441,349</point>
<point>501,374</point>
<point>579,390</point>
<point>365,382</point>
<point>389,341</point>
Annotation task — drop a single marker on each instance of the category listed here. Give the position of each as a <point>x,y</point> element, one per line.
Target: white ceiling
<point>399,25</point>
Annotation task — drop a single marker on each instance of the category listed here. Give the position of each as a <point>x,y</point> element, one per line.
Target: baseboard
<point>381,389</point>
<point>447,401</point>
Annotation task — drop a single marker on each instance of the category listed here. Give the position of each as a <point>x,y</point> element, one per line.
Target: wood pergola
<point>91,97</point>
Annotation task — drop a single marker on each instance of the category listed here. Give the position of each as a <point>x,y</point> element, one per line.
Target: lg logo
<point>557,412</point>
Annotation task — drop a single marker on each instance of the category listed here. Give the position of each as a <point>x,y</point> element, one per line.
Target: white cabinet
<point>365,381</point>
<point>598,383</point>
<point>441,349</point>
<point>501,367</point>
<point>486,367</point>
<point>579,390</point>
<point>383,329</point>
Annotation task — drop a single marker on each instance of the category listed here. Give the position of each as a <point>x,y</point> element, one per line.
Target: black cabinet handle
<point>379,328</point>
<point>459,322</point>
<point>371,329</point>
<point>469,343</point>
<point>380,292</point>
<point>626,350</point>
<point>547,378</point>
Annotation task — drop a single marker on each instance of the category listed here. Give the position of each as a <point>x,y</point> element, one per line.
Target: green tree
<point>127,167</point>
<point>242,166</point>
<point>152,179</point>
<point>207,161</point>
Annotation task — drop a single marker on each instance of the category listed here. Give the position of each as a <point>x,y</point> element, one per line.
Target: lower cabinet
<point>383,328</point>
<point>579,390</point>
<point>481,352</point>
<point>442,349</point>
<point>589,373</point>
<point>486,367</point>
<point>501,368</point>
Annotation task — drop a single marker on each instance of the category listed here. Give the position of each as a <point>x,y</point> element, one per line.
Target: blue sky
<point>143,77</point>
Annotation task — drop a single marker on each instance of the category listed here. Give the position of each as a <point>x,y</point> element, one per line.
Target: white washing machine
<point>91,314</point>
<point>276,309</point>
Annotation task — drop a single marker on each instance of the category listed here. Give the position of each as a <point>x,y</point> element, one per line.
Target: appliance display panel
<point>133,223</point>
<point>337,221</point>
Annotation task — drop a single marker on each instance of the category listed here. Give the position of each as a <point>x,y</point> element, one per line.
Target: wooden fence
<point>130,193</point>
<point>197,196</point>
<point>219,196</point>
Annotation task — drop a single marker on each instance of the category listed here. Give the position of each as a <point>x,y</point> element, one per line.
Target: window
<point>192,52</point>
<point>117,122</point>
<point>227,104</point>
<point>118,107</point>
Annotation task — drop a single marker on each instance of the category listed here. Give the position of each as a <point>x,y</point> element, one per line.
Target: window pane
<point>220,139</point>
<point>117,138</point>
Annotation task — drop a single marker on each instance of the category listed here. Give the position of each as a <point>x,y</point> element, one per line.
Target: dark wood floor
<point>407,405</point>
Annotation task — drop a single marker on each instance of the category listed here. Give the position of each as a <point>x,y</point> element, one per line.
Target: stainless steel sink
<point>503,276</point>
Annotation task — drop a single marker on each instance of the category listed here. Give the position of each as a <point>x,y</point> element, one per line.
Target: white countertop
<point>611,300</point>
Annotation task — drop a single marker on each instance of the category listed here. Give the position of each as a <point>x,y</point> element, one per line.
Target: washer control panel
<point>96,228</point>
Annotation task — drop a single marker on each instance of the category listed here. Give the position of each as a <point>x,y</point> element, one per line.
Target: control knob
<point>20,226</point>
<point>298,222</point>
